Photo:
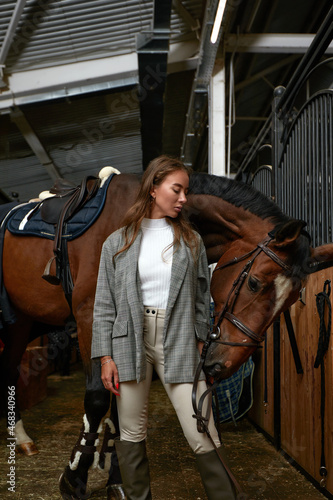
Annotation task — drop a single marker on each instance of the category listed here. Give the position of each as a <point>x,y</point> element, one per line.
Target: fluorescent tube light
<point>218,21</point>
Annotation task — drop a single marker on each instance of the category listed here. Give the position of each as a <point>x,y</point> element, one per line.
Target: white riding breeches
<point>133,400</point>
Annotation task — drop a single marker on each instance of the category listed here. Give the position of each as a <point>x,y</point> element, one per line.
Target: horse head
<point>251,287</point>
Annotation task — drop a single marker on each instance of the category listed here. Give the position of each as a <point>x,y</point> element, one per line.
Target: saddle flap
<point>59,208</point>
<point>51,208</point>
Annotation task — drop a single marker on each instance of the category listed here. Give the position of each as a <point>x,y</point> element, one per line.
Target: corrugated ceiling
<point>85,132</point>
<point>82,135</point>
<point>65,31</point>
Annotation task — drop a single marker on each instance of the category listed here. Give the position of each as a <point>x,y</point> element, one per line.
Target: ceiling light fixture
<point>218,21</point>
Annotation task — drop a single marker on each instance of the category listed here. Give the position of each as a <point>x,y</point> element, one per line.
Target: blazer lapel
<point>134,294</point>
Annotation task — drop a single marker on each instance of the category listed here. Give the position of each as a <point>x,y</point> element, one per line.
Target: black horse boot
<point>134,468</point>
<point>214,476</point>
<point>108,460</point>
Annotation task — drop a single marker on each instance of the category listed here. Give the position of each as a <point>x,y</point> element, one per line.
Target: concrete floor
<point>55,424</point>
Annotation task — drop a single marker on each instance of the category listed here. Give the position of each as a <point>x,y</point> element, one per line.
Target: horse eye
<point>253,284</point>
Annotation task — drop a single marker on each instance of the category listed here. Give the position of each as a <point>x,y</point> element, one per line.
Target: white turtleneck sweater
<point>154,263</point>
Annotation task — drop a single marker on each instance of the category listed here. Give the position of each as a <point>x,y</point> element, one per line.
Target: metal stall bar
<point>241,174</point>
<point>329,173</point>
<point>322,177</point>
<point>305,152</point>
<point>303,165</point>
<point>317,48</point>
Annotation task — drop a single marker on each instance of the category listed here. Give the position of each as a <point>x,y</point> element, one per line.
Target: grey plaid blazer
<point>119,311</point>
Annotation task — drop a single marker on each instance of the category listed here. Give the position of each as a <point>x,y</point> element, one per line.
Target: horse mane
<point>243,195</point>
<point>238,194</point>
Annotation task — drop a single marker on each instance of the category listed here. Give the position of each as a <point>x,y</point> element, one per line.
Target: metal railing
<point>262,180</point>
<point>303,176</point>
<point>302,147</point>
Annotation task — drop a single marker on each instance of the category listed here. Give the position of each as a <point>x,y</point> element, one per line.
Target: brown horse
<point>262,256</point>
<point>234,221</point>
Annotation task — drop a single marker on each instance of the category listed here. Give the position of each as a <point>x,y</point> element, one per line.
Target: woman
<point>152,311</point>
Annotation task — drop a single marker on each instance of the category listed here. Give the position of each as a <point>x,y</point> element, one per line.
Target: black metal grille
<point>303,177</point>
<point>262,180</point>
<point>302,146</point>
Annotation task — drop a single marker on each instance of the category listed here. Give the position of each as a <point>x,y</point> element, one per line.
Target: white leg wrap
<point>20,434</point>
<point>74,465</point>
<point>111,425</point>
<point>96,459</point>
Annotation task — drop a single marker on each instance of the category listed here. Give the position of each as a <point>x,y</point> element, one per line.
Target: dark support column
<point>277,130</point>
<point>152,49</point>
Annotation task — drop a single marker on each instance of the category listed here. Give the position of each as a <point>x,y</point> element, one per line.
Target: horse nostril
<point>214,371</point>
<point>217,368</point>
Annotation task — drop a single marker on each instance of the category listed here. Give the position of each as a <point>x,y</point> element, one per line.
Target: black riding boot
<point>134,468</point>
<point>214,476</point>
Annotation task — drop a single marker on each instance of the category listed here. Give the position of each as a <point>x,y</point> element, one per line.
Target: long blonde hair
<point>157,170</point>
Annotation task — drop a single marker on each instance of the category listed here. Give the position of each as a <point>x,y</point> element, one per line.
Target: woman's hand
<point>109,375</point>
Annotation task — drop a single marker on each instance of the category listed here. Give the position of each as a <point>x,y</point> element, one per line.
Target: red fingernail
<point>117,386</point>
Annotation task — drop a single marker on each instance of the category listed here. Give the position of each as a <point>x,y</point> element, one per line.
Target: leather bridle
<point>234,292</point>
<point>227,313</point>
<point>215,333</point>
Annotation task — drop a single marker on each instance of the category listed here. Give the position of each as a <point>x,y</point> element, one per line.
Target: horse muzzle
<point>214,371</point>
<point>218,363</point>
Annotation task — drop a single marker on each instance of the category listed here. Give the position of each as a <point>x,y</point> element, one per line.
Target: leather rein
<point>202,421</point>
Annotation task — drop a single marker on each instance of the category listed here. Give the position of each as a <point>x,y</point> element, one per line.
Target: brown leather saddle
<point>67,200</point>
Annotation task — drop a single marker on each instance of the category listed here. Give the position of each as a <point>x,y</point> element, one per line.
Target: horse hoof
<point>115,492</point>
<point>27,449</point>
<point>68,492</point>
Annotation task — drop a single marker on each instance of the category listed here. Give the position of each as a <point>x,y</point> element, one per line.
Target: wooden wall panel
<point>300,393</point>
<point>263,416</point>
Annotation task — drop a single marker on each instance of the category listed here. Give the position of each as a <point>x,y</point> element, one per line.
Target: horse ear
<point>288,233</point>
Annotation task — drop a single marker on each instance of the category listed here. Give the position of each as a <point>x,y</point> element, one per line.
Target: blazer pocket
<point>201,330</point>
<point>119,329</point>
